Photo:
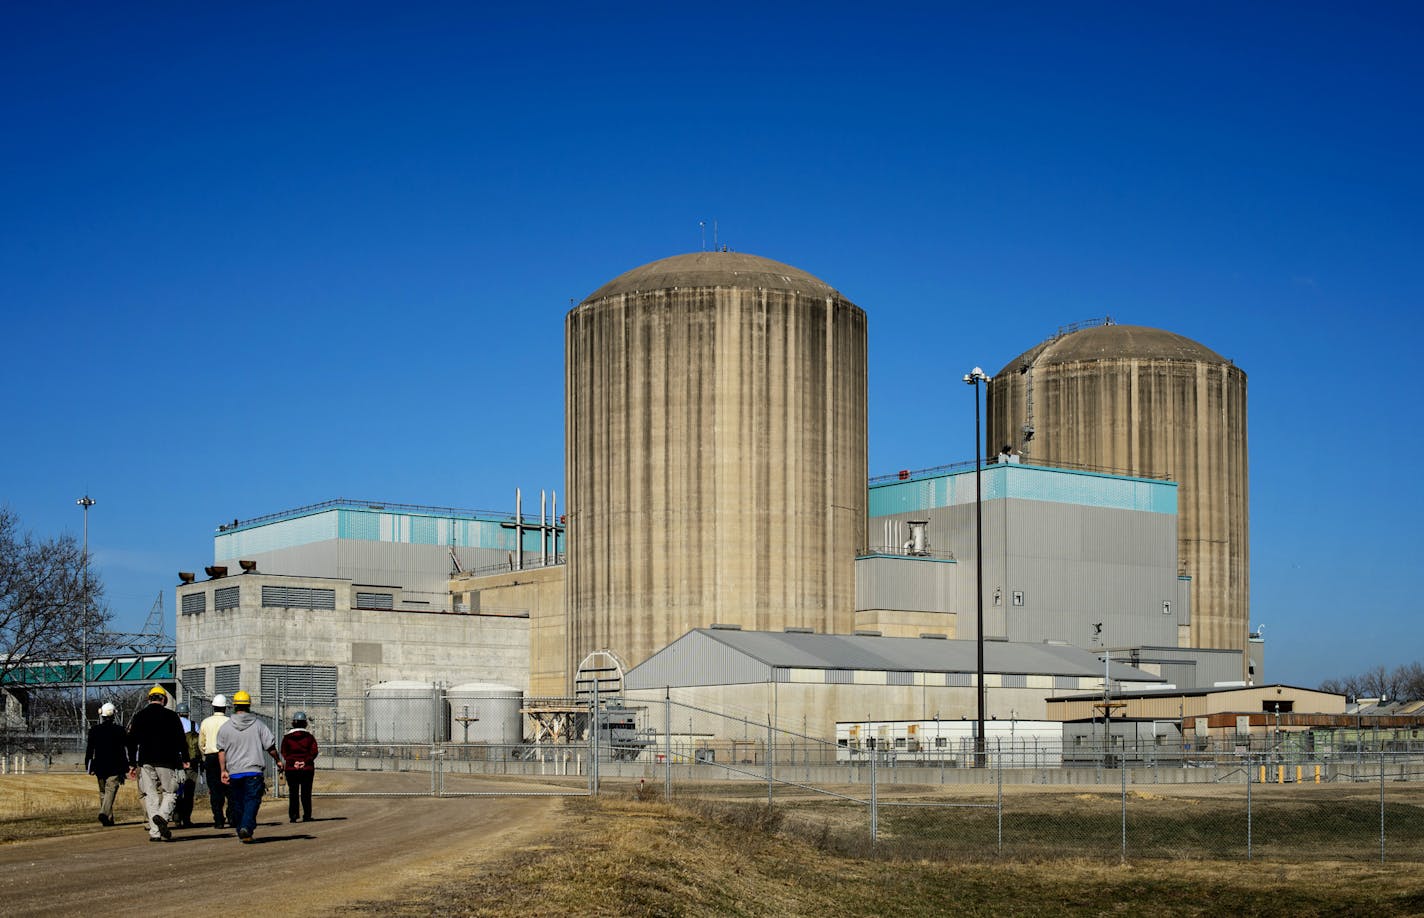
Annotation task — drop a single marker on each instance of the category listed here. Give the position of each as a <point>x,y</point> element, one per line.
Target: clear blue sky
<point>254,256</point>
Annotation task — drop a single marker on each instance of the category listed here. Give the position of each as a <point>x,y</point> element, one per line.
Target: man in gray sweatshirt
<point>242,742</point>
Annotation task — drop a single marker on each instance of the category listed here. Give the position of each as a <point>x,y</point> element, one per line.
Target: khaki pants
<point>108,790</point>
<point>159,789</point>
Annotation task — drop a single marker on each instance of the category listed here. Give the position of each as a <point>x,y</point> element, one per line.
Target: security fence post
<point>667,743</point>
<point>999,797</point>
<point>1249,768</point>
<point>1122,773</point>
<point>593,755</point>
<point>768,761</point>
<point>275,789</point>
<point>874,803</point>
<point>1381,755</point>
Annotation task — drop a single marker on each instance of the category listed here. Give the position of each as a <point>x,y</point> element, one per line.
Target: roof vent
<point>720,626</point>
<point>215,571</point>
<point>860,633</point>
<point>800,630</point>
<point>935,637</point>
<point>248,567</point>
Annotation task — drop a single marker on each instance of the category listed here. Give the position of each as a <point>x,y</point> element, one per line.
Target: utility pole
<point>86,502</point>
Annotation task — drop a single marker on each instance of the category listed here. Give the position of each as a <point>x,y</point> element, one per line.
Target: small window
<point>940,742</point>
<point>1018,597</point>
<point>193,603</point>
<point>899,742</point>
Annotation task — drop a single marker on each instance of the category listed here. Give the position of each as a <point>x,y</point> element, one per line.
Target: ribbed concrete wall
<point>715,453</point>
<point>1151,403</point>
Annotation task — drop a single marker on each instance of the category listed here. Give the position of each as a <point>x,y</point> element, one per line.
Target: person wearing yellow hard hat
<point>242,742</point>
<point>158,751</point>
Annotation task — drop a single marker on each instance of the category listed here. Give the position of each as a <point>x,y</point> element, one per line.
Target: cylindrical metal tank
<point>715,452</point>
<point>1146,402</point>
<point>404,712</point>
<point>486,712</point>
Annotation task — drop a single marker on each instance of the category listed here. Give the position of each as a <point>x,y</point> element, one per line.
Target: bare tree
<point>1402,683</point>
<point>48,599</point>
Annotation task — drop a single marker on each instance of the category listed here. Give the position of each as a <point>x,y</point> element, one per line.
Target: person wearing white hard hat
<point>212,768</point>
<point>106,757</point>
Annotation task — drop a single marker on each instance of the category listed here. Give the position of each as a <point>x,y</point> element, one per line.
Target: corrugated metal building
<point>1063,551</point>
<point>403,545</point>
<point>811,681</point>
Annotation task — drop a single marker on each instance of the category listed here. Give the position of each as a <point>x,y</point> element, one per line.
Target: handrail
<point>342,503</point>
<point>988,462</point>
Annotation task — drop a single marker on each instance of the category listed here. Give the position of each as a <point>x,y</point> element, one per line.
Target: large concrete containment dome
<point>1146,402</point>
<point>715,406</point>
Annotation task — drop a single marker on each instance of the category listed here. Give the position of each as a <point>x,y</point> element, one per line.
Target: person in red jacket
<point>299,754</point>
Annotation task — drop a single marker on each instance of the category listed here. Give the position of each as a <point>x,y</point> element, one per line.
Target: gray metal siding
<point>695,659</point>
<point>1075,565</point>
<point>909,584</point>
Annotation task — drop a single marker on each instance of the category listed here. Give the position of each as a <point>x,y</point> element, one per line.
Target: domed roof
<point>715,269</point>
<point>1112,342</point>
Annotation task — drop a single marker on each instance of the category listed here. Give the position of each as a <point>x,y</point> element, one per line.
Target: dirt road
<point>357,849</point>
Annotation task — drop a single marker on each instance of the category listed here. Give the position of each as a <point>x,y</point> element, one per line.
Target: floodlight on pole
<point>974,378</point>
<point>85,502</point>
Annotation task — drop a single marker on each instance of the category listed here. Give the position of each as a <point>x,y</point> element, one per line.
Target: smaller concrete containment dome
<point>1147,402</point>
<point>486,712</point>
<point>1134,342</point>
<point>403,712</point>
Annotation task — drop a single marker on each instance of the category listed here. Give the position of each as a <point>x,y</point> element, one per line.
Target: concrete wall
<point>366,646</point>
<point>539,594</point>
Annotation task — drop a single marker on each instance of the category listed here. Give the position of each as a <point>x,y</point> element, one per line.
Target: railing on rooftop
<point>1072,327</point>
<point>342,503</point>
<point>955,468</point>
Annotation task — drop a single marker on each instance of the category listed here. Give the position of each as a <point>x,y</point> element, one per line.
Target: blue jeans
<point>245,796</point>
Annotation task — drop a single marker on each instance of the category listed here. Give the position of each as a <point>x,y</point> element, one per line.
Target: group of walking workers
<point>164,751</point>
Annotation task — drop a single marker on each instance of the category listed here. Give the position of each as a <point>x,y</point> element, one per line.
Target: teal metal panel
<point>1027,483</point>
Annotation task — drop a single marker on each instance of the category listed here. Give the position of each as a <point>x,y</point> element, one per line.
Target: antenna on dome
<point>714,235</point>
<point>702,225</point>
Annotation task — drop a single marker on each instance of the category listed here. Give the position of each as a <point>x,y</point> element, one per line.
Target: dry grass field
<point>720,853</point>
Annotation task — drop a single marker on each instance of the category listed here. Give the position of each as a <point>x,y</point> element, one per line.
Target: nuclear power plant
<point>723,542</point>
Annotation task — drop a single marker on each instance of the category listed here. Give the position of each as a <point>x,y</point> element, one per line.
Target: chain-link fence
<point>1276,796</point>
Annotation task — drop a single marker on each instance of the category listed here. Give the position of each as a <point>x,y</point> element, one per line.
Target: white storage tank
<point>404,712</point>
<point>486,712</point>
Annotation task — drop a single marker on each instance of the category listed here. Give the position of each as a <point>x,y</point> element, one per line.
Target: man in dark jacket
<point>107,759</point>
<point>299,754</point>
<point>158,751</point>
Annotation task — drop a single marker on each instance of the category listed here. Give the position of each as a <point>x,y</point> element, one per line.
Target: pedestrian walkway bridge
<point>124,669</point>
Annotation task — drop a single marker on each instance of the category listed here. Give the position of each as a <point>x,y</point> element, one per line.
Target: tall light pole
<point>973,378</point>
<point>86,502</point>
